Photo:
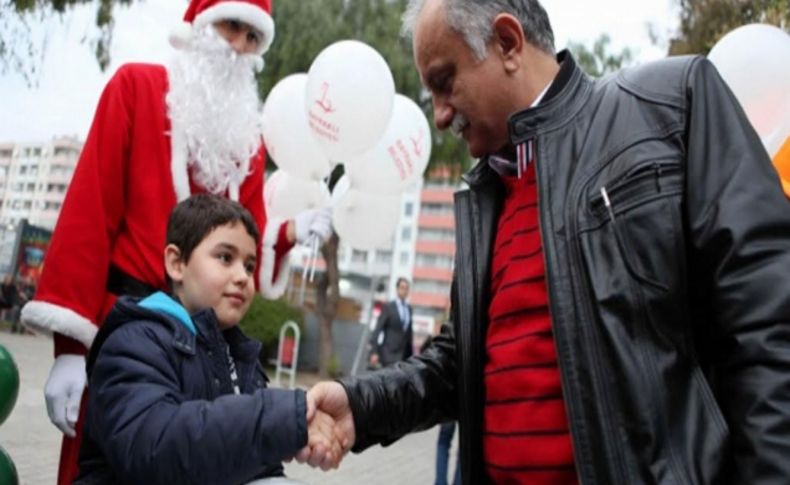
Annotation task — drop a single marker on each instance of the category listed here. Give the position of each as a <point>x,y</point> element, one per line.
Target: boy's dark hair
<point>194,218</point>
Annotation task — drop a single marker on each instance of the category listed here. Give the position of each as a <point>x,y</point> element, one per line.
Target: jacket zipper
<point>646,176</point>
<point>552,306</point>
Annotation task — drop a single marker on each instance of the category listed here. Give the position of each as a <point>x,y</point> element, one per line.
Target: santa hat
<point>256,13</point>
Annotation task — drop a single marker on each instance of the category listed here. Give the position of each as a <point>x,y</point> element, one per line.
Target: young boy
<point>176,393</point>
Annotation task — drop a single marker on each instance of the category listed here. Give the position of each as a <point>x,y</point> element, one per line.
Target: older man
<point>159,134</point>
<point>620,306</point>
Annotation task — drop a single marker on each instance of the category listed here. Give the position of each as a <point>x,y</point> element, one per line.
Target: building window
<point>31,187</point>
<point>28,204</point>
<point>23,170</point>
<point>434,234</point>
<point>405,234</point>
<point>436,209</point>
<point>404,257</point>
<point>431,286</point>
<point>383,257</point>
<point>434,261</point>
<point>358,256</point>
<point>408,209</point>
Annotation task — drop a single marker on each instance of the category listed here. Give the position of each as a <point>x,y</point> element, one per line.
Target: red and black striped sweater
<point>526,436</point>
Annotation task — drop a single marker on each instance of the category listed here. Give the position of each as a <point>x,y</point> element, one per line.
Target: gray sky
<point>70,81</point>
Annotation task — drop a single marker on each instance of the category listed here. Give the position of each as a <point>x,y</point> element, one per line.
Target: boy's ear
<point>174,265</point>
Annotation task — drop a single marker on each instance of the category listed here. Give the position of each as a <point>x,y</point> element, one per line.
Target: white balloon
<point>348,99</point>
<point>284,195</point>
<point>364,220</point>
<point>286,132</point>
<point>400,156</point>
<point>754,60</point>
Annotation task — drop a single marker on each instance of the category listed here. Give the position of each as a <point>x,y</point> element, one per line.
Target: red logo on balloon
<point>417,143</point>
<point>324,103</point>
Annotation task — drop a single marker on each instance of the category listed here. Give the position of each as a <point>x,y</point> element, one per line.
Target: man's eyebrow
<point>435,76</point>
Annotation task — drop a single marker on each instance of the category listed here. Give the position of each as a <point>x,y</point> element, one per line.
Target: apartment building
<point>422,250</point>
<point>34,179</point>
<point>434,250</point>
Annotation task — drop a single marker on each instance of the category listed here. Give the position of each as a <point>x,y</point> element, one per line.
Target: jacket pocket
<point>642,210</point>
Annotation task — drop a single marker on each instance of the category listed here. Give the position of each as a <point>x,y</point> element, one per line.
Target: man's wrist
<point>290,231</point>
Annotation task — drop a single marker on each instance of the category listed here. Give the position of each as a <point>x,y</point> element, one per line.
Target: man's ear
<point>174,265</point>
<point>509,41</point>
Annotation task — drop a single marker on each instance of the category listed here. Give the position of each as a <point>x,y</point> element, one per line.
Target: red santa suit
<point>132,172</point>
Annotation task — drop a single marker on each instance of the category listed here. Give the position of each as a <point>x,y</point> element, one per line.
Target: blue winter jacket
<point>161,405</point>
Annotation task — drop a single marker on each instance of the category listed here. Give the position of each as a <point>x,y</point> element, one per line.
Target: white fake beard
<point>213,100</point>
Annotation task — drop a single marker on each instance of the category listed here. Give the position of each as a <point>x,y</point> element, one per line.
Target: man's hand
<point>329,399</point>
<point>63,392</point>
<point>313,221</point>
<point>324,447</point>
<point>374,359</point>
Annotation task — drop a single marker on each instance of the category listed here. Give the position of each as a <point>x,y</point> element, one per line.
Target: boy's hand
<point>323,443</point>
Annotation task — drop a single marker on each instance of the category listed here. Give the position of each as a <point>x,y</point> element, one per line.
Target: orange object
<point>288,351</point>
<point>782,164</point>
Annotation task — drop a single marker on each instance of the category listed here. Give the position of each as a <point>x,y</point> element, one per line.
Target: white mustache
<point>458,124</point>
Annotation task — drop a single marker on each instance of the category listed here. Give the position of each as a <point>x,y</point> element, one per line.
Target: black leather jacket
<point>670,303</point>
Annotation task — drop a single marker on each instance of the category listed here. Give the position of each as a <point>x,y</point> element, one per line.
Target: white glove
<point>63,392</point>
<point>313,221</point>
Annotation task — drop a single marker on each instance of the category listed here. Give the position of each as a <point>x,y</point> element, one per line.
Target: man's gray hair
<point>474,19</point>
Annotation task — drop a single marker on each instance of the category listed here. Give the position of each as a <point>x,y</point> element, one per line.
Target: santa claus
<point>160,133</point>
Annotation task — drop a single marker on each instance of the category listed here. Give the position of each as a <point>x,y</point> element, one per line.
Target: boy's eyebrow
<point>235,250</point>
<point>229,246</point>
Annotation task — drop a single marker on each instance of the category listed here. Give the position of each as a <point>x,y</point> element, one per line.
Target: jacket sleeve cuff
<point>287,419</point>
<point>49,318</point>
<point>67,345</point>
<point>362,440</point>
<point>275,264</point>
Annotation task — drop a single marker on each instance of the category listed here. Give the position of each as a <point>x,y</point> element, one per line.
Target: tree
<point>704,22</point>
<point>598,61</point>
<point>18,51</point>
<point>303,30</point>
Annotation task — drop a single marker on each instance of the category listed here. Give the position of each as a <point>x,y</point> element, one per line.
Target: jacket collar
<point>206,328</point>
<point>556,111</point>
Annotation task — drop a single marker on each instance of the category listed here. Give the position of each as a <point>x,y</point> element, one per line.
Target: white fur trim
<point>268,288</point>
<point>178,163</point>
<point>180,35</point>
<point>243,12</point>
<point>49,318</point>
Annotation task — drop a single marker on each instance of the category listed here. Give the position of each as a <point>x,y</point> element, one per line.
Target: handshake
<point>330,426</point>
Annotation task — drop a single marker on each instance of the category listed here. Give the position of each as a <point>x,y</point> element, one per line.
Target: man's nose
<point>442,114</point>
<point>239,44</point>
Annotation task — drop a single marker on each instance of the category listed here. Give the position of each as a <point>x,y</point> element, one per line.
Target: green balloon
<point>9,384</point>
<point>7,469</point>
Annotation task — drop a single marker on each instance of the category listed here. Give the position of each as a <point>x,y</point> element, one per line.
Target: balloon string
<point>313,255</point>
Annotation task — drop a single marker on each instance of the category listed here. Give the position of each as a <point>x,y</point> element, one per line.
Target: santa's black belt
<point>120,283</point>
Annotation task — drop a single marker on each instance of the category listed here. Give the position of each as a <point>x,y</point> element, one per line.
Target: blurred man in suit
<point>391,341</point>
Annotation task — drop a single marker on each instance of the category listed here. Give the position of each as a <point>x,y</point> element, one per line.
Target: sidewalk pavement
<point>34,443</point>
